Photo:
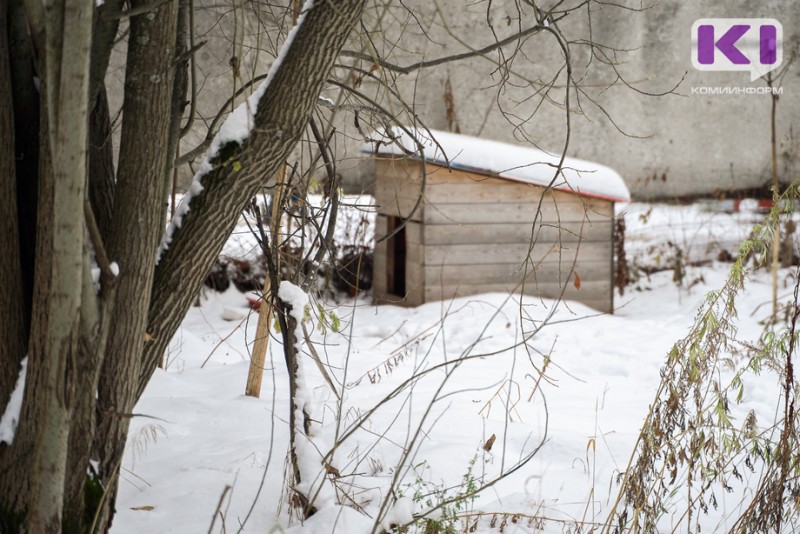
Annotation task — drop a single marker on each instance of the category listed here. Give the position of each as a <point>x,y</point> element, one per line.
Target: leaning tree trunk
<point>280,120</point>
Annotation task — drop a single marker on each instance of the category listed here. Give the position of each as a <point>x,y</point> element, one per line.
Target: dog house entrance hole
<point>396,258</point>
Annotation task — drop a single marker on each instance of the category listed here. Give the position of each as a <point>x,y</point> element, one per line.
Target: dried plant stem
<point>218,509</point>
<point>776,232</point>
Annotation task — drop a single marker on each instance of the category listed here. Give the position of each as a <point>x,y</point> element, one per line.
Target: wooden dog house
<point>490,215</point>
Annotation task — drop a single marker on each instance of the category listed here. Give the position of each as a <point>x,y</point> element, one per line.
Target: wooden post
<point>259,353</point>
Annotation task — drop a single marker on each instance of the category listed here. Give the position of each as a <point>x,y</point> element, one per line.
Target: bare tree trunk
<point>102,175</point>
<point>37,389</point>
<point>104,32</point>
<point>26,139</point>
<point>82,491</point>
<point>15,460</point>
<point>135,227</point>
<point>12,328</point>
<point>178,93</point>
<point>56,310</point>
<point>101,163</point>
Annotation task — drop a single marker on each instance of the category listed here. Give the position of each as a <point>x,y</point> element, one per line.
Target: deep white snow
<point>601,375</point>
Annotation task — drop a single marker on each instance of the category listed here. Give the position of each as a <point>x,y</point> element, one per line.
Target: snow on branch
<point>307,447</point>
<point>10,419</point>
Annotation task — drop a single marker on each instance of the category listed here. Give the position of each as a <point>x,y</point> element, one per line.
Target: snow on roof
<point>512,162</point>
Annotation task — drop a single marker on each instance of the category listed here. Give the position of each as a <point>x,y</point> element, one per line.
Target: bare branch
<point>513,39</point>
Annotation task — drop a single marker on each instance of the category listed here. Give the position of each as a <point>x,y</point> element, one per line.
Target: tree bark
<point>12,308</point>
<point>101,163</point>
<point>179,89</point>
<point>94,317</point>
<point>15,461</point>
<point>282,115</point>
<point>19,463</point>
<point>59,257</point>
<point>26,138</point>
<point>101,150</point>
<point>12,327</point>
<point>104,31</point>
<point>135,227</point>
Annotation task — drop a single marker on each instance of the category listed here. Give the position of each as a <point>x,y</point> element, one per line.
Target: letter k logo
<point>752,45</point>
<point>726,44</point>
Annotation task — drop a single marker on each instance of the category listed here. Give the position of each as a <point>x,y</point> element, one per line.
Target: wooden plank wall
<point>477,231</point>
<point>415,264</point>
<point>397,187</point>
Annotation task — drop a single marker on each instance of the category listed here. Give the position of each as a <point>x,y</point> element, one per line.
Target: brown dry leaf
<point>145,508</point>
<point>577,281</point>
<point>489,442</point>
<point>148,338</point>
<point>332,471</point>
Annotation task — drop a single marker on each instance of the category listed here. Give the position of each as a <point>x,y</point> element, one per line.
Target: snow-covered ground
<point>200,451</point>
<point>700,230</point>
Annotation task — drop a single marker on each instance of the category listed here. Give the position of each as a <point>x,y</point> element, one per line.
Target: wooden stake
<point>259,355</point>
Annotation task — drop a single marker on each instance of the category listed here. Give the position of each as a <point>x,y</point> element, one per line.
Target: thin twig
<point>97,243</point>
<point>218,509</point>
<point>443,60</point>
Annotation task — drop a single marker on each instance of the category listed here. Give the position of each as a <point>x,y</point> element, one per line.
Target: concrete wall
<point>678,144</point>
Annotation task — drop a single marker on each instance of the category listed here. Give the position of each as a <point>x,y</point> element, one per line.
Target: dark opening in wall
<point>396,258</point>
